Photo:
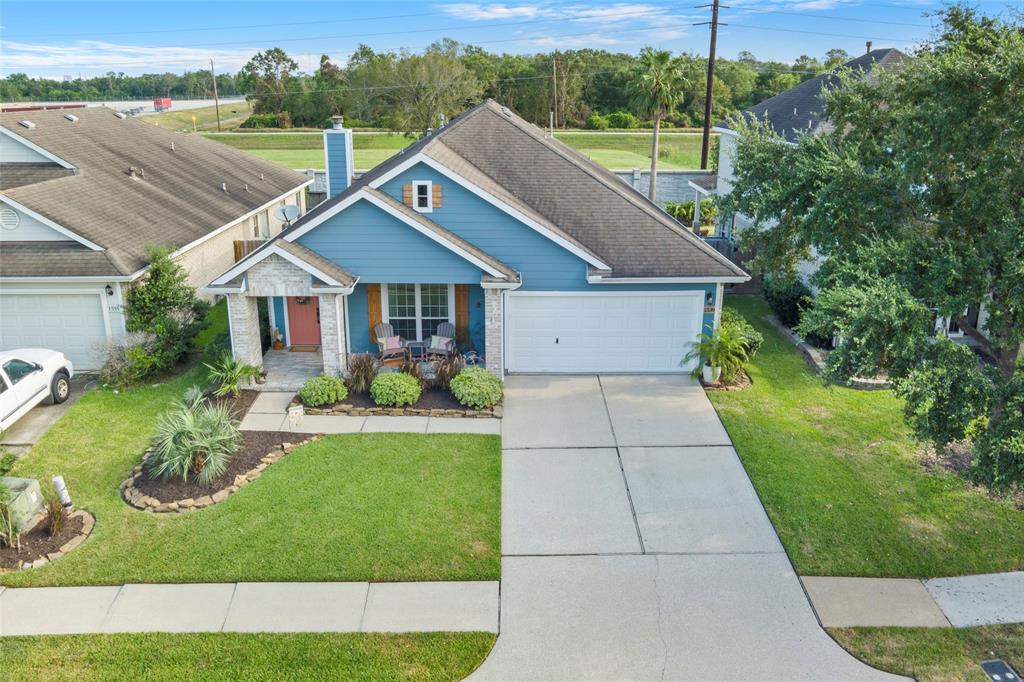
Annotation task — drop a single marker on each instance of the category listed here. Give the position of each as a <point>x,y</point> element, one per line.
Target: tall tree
<point>916,203</point>
<point>656,91</point>
<point>268,77</point>
<point>427,88</point>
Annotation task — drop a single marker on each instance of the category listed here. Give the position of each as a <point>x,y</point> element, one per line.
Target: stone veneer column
<point>493,331</point>
<point>244,322</point>
<point>332,333</point>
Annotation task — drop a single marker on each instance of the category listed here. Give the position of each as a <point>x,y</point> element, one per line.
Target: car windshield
<point>17,370</point>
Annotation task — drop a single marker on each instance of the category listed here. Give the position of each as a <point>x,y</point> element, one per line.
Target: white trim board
<point>731,279</point>
<point>34,147</point>
<point>51,224</point>
<point>363,195</point>
<point>385,312</point>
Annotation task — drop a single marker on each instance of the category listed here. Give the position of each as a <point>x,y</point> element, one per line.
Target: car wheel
<point>60,387</point>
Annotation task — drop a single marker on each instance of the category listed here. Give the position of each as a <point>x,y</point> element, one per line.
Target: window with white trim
<point>415,310</point>
<point>423,196</point>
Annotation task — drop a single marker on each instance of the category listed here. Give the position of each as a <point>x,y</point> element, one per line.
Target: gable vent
<point>9,219</point>
<point>27,124</point>
<point>71,117</point>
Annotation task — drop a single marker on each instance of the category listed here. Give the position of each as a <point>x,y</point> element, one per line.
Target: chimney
<point>338,158</point>
<point>869,47</point>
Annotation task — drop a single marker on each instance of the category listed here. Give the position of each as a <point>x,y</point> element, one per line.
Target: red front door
<point>303,321</point>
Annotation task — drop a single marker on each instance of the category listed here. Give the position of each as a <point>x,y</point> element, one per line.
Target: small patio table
<point>417,349</point>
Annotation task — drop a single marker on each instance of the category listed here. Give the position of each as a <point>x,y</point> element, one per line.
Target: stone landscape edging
<point>143,502</point>
<point>88,523</point>
<point>343,409</point>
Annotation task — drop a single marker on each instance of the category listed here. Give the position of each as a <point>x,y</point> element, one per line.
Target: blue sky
<point>71,38</point>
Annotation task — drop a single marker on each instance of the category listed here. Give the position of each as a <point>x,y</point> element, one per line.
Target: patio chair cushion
<point>392,342</point>
<point>439,342</point>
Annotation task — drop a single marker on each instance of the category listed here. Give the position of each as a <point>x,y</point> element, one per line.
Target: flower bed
<point>433,402</point>
<point>259,450</point>
<point>39,548</point>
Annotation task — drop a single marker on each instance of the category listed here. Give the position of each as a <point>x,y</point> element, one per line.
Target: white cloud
<point>476,12</point>
<point>567,42</point>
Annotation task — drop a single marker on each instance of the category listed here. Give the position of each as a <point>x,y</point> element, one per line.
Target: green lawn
<point>935,654</point>
<point>302,159</point>
<point>231,115</point>
<point>229,657</point>
<point>840,477</point>
<point>625,150</point>
<point>354,507</point>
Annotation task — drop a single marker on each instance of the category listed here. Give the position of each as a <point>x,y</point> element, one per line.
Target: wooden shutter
<point>437,195</point>
<point>461,307</point>
<point>375,315</point>
<point>407,194</point>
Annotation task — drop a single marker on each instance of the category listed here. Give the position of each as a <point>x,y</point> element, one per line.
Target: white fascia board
<point>70,279</point>
<point>508,286</point>
<point>236,221</point>
<point>430,234</point>
<point>49,223</point>
<point>268,251</point>
<point>36,148</point>
<point>211,289</point>
<point>735,279</point>
<point>491,199</point>
<point>724,131</point>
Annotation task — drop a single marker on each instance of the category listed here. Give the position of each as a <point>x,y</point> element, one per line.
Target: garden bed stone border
<point>88,523</point>
<point>143,502</point>
<point>492,412</point>
<point>816,358</point>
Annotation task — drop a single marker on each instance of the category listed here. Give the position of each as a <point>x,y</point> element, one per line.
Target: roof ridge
<point>615,184</point>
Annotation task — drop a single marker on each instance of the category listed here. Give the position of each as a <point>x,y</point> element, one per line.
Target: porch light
<point>109,289</point>
<point>709,298</point>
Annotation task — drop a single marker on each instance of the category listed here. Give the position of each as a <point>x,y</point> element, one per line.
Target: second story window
<point>422,196</point>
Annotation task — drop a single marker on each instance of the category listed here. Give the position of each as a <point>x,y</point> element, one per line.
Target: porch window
<point>415,310</point>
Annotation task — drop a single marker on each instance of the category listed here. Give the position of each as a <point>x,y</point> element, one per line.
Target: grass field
<point>841,479</point>
<point>231,115</point>
<point>230,656</point>
<point>935,654</point>
<point>612,150</point>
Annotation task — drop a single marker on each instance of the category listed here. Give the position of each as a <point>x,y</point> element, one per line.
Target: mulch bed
<point>743,381</point>
<point>38,543</point>
<point>430,399</point>
<point>255,446</point>
<point>238,405</point>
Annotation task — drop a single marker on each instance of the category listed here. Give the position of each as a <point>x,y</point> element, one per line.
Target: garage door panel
<point>70,323</point>
<point>635,332</point>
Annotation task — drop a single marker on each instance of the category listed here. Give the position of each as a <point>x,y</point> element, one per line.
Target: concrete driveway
<point>25,432</point>
<point>635,546</point>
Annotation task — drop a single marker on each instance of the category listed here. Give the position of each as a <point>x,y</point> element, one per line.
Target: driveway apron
<point>635,546</point>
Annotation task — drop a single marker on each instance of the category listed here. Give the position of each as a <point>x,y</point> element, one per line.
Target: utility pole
<point>706,143</point>
<point>554,92</point>
<point>216,100</point>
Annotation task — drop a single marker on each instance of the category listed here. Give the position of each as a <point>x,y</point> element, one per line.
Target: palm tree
<point>654,92</point>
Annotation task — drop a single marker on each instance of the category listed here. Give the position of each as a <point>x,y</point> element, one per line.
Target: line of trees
<point>414,91</point>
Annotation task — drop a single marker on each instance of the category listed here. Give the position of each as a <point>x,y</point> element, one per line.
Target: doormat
<point>303,348</point>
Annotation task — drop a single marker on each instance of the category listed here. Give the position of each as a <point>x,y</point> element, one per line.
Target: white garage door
<point>606,332</point>
<point>70,323</point>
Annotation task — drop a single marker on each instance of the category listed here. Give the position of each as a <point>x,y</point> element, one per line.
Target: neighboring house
<point>544,261</point>
<point>84,194</point>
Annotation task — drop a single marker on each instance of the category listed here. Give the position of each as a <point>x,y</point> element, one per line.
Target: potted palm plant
<point>722,354</point>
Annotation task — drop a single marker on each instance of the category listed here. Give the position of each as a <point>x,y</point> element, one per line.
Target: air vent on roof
<point>120,115</point>
<point>71,117</point>
<point>505,111</point>
<point>27,124</point>
<point>172,145</point>
<point>224,186</point>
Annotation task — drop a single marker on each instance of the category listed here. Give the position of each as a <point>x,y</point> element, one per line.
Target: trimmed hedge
<point>476,387</point>
<point>395,389</point>
<point>323,390</point>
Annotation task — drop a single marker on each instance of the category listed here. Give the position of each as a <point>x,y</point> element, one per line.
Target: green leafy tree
<point>427,88</point>
<point>915,203</point>
<point>268,77</point>
<point>655,91</point>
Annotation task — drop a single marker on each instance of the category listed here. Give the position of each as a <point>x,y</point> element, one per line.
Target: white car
<point>28,376</point>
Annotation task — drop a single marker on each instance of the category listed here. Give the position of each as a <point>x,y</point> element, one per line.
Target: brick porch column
<point>493,331</point>
<point>244,323</point>
<point>332,333</point>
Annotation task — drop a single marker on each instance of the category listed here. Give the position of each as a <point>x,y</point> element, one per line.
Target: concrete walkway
<point>269,413</point>
<point>251,607</point>
<point>636,548</point>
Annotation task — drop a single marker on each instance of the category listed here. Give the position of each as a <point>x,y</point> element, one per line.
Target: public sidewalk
<point>269,413</point>
<point>251,607</point>
<point>964,601</point>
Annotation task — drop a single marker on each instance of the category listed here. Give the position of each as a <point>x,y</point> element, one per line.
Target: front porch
<point>287,370</point>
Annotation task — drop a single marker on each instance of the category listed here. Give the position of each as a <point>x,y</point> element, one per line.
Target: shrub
<point>165,305</point>
<point>10,531</point>
<point>414,369</point>
<point>323,390</point>
<point>596,122</point>
<point>198,439</point>
<point>787,298</point>
<point>127,359</point>
<point>260,121</point>
<point>7,460</point>
<point>476,387</point>
<point>395,389</point>
<point>229,374</point>
<point>726,348</point>
<point>622,119</point>
<point>56,516</point>
<point>362,368</point>
<point>683,211</point>
<point>447,369</point>
<point>752,339</point>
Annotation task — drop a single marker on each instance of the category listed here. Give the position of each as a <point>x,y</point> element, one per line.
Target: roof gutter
<point>729,279</point>
<point>69,278</point>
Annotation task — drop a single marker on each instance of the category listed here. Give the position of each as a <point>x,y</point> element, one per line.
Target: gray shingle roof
<point>41,259</point>
<point>19,174</point>
<point>548,180</point>
<point>313,258</point>
<point>177,201</point>
<point>800,109</point>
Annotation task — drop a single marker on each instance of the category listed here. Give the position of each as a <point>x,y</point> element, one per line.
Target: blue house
<point>544,261</point>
